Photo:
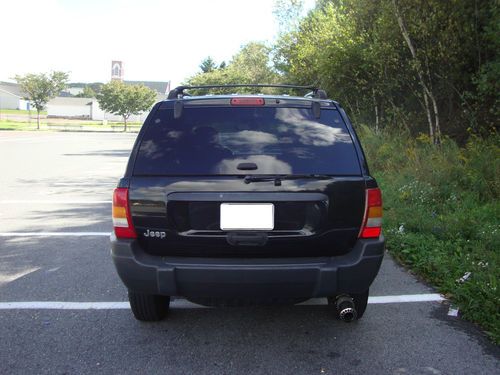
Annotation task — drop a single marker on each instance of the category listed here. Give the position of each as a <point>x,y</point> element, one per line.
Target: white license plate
<point>247,216</point>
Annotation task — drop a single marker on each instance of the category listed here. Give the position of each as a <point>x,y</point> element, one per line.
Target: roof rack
<point>178,92</point>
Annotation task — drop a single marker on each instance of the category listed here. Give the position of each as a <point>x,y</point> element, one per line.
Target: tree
<point>421,65</point>
<point>87,93</point>
<point>208,65</point>
<point>427,92</point>
<point>250,65</point>
<point>253,64</point>
<point>40,88</point>
<point>125,100</point>
<point>287,14</point>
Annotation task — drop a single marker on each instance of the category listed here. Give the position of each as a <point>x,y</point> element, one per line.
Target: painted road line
<point>52,234</point>
<point>23,201</point>
<point>85,183</point>
<point>377,300</point>
<point>430,297</point>
<point>182,303</point>
<point>53,305</point>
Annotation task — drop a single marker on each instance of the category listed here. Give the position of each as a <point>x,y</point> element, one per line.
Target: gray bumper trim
<point>220,277</point>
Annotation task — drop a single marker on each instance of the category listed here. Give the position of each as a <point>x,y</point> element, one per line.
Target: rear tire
<point>360,302</point>
<point>148,307</point>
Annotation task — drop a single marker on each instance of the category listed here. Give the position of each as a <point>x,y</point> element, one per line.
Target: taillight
<point>122,222</point>
<point>372,221</point>
<point>247,101</point>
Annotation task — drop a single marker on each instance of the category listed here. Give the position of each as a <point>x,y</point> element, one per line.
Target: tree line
<point>425,66</point>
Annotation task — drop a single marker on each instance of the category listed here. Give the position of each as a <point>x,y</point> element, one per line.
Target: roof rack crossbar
<point>179,91</point>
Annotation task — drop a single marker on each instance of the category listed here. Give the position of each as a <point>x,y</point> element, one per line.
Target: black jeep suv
<point>247,198</point>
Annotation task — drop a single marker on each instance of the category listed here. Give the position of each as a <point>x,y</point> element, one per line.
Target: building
<point>161,88</point>
<point>11,97</point>
<point>88,108</point>
<point>98,114</point>
<point>117,70</point>
<point>69,107</point>
<point>117,73</point>
<point>84,109</point>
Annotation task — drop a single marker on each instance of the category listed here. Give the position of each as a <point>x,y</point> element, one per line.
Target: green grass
<point>91,124</point>
<point>20,112</point>
<point>11,125</point>
<point>442,216</point>
<point>85,125</point>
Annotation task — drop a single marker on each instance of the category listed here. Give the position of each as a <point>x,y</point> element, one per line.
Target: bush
<point>441,215</point>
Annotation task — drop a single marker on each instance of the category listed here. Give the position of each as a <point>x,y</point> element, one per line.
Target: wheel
<point>148,307</point>
<point>360,302</point>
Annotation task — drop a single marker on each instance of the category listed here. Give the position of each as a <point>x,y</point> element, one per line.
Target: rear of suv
<point>234,199</point>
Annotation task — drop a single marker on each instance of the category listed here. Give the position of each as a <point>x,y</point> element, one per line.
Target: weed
<point>441,216</point>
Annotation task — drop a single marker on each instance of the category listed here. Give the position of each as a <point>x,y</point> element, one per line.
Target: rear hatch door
<point>266,180</point>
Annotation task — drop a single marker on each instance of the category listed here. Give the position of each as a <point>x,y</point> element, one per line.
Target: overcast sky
<point>157,40</point>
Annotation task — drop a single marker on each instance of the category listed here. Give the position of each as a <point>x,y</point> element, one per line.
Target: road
<point>61,183</point>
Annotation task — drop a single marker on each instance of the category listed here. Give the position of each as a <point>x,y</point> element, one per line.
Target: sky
<point>157,40</point>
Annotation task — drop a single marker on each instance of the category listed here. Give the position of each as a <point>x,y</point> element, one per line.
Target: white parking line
<point>52,234</point>
<point>86,184</point>
<point>52,305</point>
<point>22,201</point>
<point>431,297</point>
<point>183,304</point>
<point>377,300</point>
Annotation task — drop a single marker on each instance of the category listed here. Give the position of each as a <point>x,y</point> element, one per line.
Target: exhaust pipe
<point>346,309</point>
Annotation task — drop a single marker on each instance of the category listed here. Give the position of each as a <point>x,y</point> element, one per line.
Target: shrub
<point>441,215</point>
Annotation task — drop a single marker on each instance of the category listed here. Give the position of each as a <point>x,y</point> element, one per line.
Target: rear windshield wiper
<point>277,178</point>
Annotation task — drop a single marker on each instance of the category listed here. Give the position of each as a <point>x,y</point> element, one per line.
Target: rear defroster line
<point>183,304</point>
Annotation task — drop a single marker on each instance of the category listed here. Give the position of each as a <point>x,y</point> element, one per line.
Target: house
<point>69,107</point>
<point>11,97</point>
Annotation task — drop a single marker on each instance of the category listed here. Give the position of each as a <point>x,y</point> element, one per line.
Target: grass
<point>441,216</point>
<point>53,125</point>
<point>11,125</point>
<point>20,112</point>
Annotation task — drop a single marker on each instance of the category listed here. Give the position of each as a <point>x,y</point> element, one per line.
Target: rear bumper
<point>221,277</point>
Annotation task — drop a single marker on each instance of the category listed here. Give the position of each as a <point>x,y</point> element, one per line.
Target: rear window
<point>214,140</point>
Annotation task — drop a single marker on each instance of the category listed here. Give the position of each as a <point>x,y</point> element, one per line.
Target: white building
<point>84,108</point>
<point>11,97</point>
<point>98,114</point>
<point>68,107</point>
<point>88,108</point>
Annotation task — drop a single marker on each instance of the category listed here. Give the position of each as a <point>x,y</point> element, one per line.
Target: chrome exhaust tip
<point>346,309</point>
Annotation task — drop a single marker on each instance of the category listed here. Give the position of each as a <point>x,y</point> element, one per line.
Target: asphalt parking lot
<point>63,309</point>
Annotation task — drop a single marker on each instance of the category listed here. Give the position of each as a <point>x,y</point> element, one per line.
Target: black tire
<point>360,302</point>
<point>148,307</point>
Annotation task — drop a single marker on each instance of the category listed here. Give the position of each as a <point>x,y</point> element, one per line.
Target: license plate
<point>247,216</point>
